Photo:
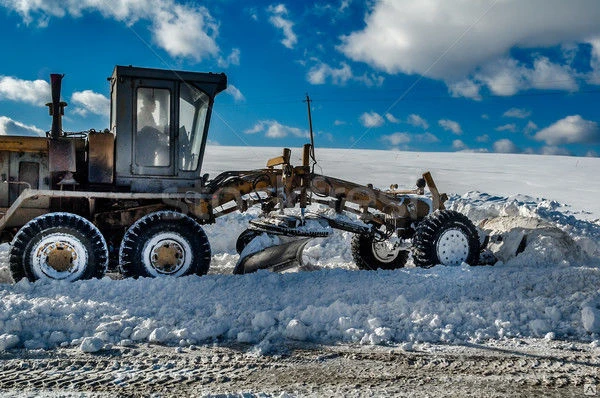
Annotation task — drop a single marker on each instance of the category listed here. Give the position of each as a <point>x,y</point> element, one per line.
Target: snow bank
<point>442,304</point>
<point>542,293</point>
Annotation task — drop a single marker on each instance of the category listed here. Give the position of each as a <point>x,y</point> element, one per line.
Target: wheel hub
<point>167,256</point>
<point>385,251</point>
<point>167,253</point>
<point>452,247</point>
<point>59,256</point>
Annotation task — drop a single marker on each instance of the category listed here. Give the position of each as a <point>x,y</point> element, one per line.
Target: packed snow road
<point>515,367</point>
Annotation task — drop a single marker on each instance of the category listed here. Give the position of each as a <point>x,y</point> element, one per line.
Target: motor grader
<point>133,197</point>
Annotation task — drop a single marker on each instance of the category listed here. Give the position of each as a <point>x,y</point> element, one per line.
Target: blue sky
<point>519,76</point>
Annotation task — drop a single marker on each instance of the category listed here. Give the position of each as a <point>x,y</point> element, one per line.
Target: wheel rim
<point>452,247</point>
<point>385,251</point>
<point>59,256</point>
<point>167,253</point>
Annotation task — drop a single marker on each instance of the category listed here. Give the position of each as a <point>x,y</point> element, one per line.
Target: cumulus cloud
<point>506,146</point>
<point>405,138</point>
<point>90,102</point>
<point>396,139</point>
<point>182,30</point>
<point>235,93</point>
<point>12,127</point>
<point>517,113</point>
<point>483,138</point>
<point>278,18</point>
<point>451,41</point>
<point>321,73</point>
<point>36,92</point>
<point>417,121</point>
<point>274,129</point>
<point>371,119</point>
<point>391,118</point>
<point>570,130</point>
<point>451,125</point>
<point>458,145</point>
<point>555,150</point>
<point>507,127</point>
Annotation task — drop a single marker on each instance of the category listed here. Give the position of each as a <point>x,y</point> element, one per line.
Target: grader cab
<point>133,197</point>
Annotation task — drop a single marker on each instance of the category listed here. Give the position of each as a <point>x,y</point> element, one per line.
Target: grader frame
<point>93,181</point>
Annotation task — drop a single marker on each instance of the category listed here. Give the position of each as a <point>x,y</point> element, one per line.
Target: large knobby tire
<point>58,246</point>
<point>371,254</point>
<point>445,237</point>
<point>165,243</point>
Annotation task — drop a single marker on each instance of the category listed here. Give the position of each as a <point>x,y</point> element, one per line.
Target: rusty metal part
<point>60,257</point>
<point>101,154</point>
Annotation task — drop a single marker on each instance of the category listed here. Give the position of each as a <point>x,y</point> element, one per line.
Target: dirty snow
<point>551,290</point>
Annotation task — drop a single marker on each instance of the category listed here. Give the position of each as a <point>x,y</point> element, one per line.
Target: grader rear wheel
<point>58,246</point>
<point>165,243</point>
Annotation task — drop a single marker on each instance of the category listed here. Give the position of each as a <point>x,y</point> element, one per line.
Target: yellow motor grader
<point>133,197</point>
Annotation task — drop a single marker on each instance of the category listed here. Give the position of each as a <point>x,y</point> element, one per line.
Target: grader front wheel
<point>58,246</point>
<point>445,237</point>
<point>372,254</point>
<point>165,243</point>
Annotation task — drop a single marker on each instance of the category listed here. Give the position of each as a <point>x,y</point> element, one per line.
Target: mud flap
<point>281,256</point>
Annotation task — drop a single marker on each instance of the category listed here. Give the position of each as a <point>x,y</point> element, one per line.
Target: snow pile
<point>539,293</point>
<point>443,304</point>
<point>551,289</point>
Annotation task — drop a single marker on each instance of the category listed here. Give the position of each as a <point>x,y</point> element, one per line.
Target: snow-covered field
<point>550,291</point>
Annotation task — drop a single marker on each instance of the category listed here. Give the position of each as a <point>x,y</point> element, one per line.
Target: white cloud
<point>232,59</point>
<point>505,146</point>
<point>408,36</point>
<point>451,125</point>
<point>483,138</point>
<point>279,20</point>
<point>182,30</point>
<point>391,118</point>
<point>417,121</point>
<point>452,41</point>
<point>458,145</point>
<point>235,93</point>
<point>426,138</point>
<point>396,139</point>
<point>404,138</point>
<point>517,113</point>
<point>555,150</point>
<point>90,102</point>
<point>570,130</point>
<point>339,123</point>
<point>530,127</point>
<point>274,129</point>
<point>594,75</point>
<point>12,127</point>
<point>465,88</point>
<point>320,73</point>
<point>372,119</point>
<point>591,154</point>
<point>507,127</point>
<point>36,92</point>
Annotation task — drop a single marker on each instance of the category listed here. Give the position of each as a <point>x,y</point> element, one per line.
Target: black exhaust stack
<point>61,149</point>
<point>56,107</point>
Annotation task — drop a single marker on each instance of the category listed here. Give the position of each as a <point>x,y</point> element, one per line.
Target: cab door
<point>153,144</point>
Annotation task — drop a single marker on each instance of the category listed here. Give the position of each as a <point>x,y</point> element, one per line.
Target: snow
<point>551,290</point>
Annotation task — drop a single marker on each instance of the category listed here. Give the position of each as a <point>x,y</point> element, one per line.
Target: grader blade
<point>285,253</point>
